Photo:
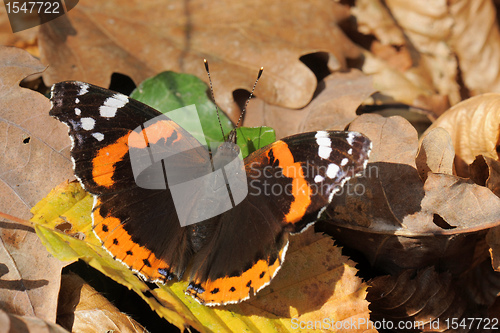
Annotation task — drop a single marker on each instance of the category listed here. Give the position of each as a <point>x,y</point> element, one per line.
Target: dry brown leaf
<point>374,18</point>
<point>481,284</point>
<point>333,107</point>
<point>425,298</point>
<point>476,42</point>
<point>430,298</point>
<point>25,39</point>
<point>83,309</point>
<point>393,139</point>
<point>436,153</point>
<point>427,26</point>
<point>474,129</point>
<point>414,74</point>
<point>398,221</point>
<point>394,85</point>
<point>142,38</point>
<point>417,296</point>
<point>444,37</point>
<point>398,58</point>
<point>493,240</point>
<point>24,324</point>
<point>462,205</point>
<point>485,171</point>
<point>30,143</point>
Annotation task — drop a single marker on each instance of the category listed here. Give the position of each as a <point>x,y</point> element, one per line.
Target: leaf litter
<point>427,219</point>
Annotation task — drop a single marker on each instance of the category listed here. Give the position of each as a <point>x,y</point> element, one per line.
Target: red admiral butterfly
<point>230,256</point>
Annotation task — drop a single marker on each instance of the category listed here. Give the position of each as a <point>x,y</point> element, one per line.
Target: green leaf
<point>250,139</point>
<point>169,91</point>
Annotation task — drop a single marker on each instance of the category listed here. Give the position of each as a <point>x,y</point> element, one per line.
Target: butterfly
<point>229,256</point>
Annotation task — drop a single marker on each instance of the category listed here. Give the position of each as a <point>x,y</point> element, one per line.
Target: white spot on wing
<point>77,100</point>
<point>52,91</point>
<point>88,123</point>
<point>325,144</point>
<point>318,179</point>
<point>112,104</point>
<point>321,134</point>
<point>350,137</point>
<point>107,112</point>
<point>344,161</point>
<point>324,152</point>
<point>98,136</point>
<point>122,98</point>
<point>83,88</point>
<point>78,111</point>
<point>332,170</point>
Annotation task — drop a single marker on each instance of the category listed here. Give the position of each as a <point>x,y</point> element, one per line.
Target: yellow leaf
<point>314,283</point>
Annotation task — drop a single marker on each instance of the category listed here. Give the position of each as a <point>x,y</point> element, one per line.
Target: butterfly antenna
<point>249,97</point>
<point>213,97</point>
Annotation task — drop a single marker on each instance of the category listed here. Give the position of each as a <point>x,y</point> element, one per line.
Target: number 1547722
<point>40,7</point>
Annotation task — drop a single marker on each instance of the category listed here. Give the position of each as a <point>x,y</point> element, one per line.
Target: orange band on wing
<point>300,188</point>
<point>104,162</point>
<point>161,130</point>
<point>117,241</point>
<point>237,288</point>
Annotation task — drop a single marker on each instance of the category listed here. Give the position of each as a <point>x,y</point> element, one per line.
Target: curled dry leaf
<point>141,38</point>
<point>481,283</point>
<point>417,32</point>
<point>30,146</point>
<point>485,171</point>
<point>391,83</point>
<point>436,153</point>
<point>398,221</point>
<point>427,26</point>
<point>334,107</point>
<point>424,298</point>
<point>25,324</point>
<point>419,296</point>
<point>83,309</point>
<point>444,37</point>
<point>374,18</point>
<point>474,129</point>
<point>493,240</point>
<point>475,40</point>
<point>402,87</point>
<point>25,39</point>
